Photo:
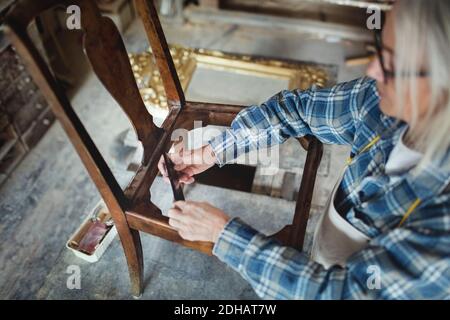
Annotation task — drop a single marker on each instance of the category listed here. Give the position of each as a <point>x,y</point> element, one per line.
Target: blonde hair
<point>423,43</point>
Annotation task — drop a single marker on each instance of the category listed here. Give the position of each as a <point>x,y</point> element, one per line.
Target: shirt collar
<point>425,182</point>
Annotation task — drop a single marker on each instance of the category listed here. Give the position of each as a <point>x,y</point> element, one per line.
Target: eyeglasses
<point>390,74</point>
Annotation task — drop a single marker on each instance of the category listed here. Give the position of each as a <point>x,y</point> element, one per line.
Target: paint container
<point>95,234</point>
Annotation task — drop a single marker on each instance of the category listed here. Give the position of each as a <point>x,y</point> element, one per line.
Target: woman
<point>385,233</point>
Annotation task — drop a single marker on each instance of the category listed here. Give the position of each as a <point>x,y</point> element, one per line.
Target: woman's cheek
<point>387,107</point>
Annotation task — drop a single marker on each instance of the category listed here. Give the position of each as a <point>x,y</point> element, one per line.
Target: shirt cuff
<point>224,147</point>
<point>233,241</point>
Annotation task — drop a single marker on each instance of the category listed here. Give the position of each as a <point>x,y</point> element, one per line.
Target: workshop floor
<point>50,193</point>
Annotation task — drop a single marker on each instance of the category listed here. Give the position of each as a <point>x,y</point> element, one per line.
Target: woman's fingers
<point>183,178</point>
<point>177,160</point>
<point>190,209</point>
<point>187,181</point>
<point>180,167</point>
<point>197,221</point>
<point>194,157</point>
<point>182,206</point>
<point>177,224</point>
<point>185,162</point>
<point>176,214</point>
<point>176,220</point>
<point>189,171</point>
<point>188,158</point>
<point>187,211</point>
<point>185,172</point>
<point>162,167</point>
<point>186,178</point>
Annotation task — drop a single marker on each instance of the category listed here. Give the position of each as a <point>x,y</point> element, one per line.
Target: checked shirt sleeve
<point>332,115</point>
<point>406,263</point>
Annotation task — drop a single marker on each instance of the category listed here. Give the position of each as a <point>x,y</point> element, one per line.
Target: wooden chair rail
<point>148,218</point>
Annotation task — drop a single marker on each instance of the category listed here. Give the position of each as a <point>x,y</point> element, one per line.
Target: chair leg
<point>131,243</point>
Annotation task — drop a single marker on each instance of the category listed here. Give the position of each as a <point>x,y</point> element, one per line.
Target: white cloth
<point>401,157</point>
<point>335,239</point>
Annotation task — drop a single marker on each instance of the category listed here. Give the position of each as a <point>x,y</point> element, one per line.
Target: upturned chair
<point>132,209</point>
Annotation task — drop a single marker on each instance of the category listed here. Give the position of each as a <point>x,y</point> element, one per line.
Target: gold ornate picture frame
<point>297,74</point>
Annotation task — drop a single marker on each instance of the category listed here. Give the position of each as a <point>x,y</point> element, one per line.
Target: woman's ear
<point>374,70</point>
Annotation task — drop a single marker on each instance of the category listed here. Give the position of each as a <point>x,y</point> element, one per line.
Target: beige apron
<point>335,239</point>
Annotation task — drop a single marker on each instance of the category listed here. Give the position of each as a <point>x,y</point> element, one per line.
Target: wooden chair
<point>132,209</point>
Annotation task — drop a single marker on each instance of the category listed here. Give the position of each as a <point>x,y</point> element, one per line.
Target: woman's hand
<point>197,221</point>
<point>189,162</point>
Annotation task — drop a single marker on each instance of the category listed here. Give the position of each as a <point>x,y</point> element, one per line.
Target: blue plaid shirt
<point>412,255</point>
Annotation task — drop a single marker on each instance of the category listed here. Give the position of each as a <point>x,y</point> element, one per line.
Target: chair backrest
<point>160,49</point>
<point>107,54</point>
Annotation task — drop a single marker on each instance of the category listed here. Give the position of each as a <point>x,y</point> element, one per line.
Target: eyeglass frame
<point>388,74</point>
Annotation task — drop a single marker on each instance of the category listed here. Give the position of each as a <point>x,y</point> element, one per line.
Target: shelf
<point>12,158</point>
<point>8,139</point>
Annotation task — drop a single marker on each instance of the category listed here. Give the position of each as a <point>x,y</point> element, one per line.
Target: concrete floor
<point>50,193</point>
